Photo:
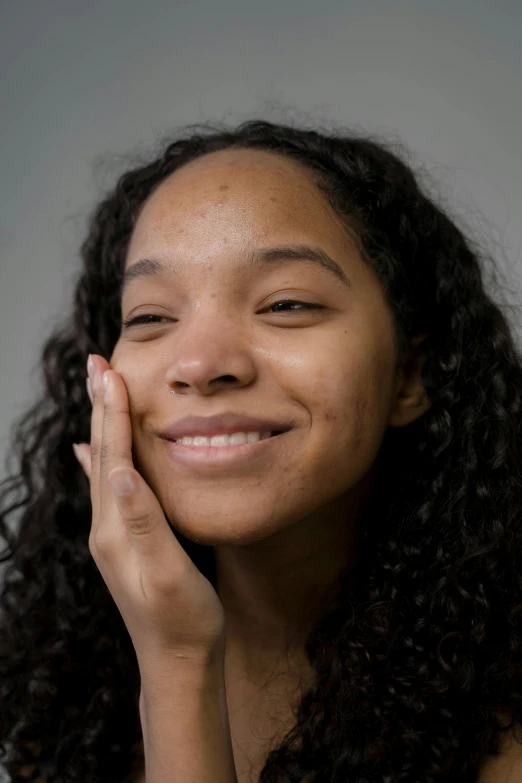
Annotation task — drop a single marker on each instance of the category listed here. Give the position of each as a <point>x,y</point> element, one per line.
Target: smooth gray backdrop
<point>85,82</point>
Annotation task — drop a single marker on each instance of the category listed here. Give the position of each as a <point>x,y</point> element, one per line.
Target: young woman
<point>334,592</point>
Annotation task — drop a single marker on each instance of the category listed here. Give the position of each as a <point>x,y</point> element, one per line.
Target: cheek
<point>139,368</point>
<point>350,404</point>
<point>143,386</point>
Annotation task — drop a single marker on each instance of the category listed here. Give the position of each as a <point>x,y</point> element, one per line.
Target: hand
<point>169,608</point>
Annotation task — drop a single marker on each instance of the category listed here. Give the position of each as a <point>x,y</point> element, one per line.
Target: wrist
<point>184,717</point>
<point>178,677</point>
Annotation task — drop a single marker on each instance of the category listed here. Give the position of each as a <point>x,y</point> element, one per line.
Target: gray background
<point>85,82</point>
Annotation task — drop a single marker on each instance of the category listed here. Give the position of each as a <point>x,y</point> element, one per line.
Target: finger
<point>137,508</point>
<point>82,452</point>
<point>116,446</point>
<point>89,390</point>
<point>99,366</point>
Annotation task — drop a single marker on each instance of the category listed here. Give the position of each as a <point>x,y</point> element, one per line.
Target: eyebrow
<point>148,267</point>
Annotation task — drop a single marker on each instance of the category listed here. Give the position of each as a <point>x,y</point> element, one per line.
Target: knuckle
<point>112,452</point>
<point>120,409</point>
<point>142,522</point>
<point>104,453</point>
<point>95,449</point>
<point>103,544</point>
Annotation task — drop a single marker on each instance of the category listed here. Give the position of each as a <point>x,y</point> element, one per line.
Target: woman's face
<point>217,346</point>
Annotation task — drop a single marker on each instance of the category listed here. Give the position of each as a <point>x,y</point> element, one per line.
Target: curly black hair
<point>417,656</point>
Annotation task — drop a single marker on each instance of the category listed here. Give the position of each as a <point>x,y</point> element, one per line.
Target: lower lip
<point>221,456</point>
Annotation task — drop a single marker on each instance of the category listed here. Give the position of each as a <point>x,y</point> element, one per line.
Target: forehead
<point>240,194</point>
<point>237,168</point>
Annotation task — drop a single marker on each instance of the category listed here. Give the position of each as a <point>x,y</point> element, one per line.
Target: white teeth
<point>224,440</point>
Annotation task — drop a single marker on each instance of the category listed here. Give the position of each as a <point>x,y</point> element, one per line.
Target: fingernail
<point>89,390</point>
<point>76,452</point>
<point>90,367</point>
<point>122,481</point>
<point>107,387</point>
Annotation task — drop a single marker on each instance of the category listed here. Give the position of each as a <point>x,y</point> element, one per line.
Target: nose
<point>208,358</point>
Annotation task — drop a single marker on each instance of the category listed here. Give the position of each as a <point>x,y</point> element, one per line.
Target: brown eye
<point>302,305</point>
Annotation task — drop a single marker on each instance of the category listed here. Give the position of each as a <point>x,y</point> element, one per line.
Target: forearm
<point>186,734</point>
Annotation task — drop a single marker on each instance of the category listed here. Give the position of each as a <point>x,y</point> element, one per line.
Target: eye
<point>303,305</point>
<point>143,319</point>
<point>140,319</point>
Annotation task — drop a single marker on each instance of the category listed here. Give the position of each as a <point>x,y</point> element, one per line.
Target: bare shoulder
<point>507,766</point>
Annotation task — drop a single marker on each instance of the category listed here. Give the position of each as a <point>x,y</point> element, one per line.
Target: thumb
<point>136,502</point>
<point>145,520</point>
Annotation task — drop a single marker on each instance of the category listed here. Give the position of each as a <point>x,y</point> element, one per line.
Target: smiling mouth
<point>222,440</point>
<point>219,457</point>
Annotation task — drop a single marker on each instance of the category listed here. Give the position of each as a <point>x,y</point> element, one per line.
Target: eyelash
<point>306,305</point>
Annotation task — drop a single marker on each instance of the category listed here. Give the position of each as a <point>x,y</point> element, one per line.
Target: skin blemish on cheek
<point>330,417</point>
<point>223,187</point>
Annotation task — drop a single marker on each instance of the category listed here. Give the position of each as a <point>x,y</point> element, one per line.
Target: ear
<point>411,400</point>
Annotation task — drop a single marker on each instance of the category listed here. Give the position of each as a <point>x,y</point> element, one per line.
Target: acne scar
<point>330,417</point>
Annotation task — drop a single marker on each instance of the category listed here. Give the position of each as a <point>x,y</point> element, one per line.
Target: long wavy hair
<point>417,655</point>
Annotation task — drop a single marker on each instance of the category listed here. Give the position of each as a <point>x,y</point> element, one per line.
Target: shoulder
<point>507,766</point>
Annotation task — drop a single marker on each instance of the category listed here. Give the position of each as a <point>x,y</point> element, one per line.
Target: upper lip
<point>222,424</point>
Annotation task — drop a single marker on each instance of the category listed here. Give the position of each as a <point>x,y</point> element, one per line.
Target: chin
<point>235,528</point>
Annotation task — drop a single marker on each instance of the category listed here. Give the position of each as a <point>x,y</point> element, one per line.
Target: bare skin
<point>282,528</point>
